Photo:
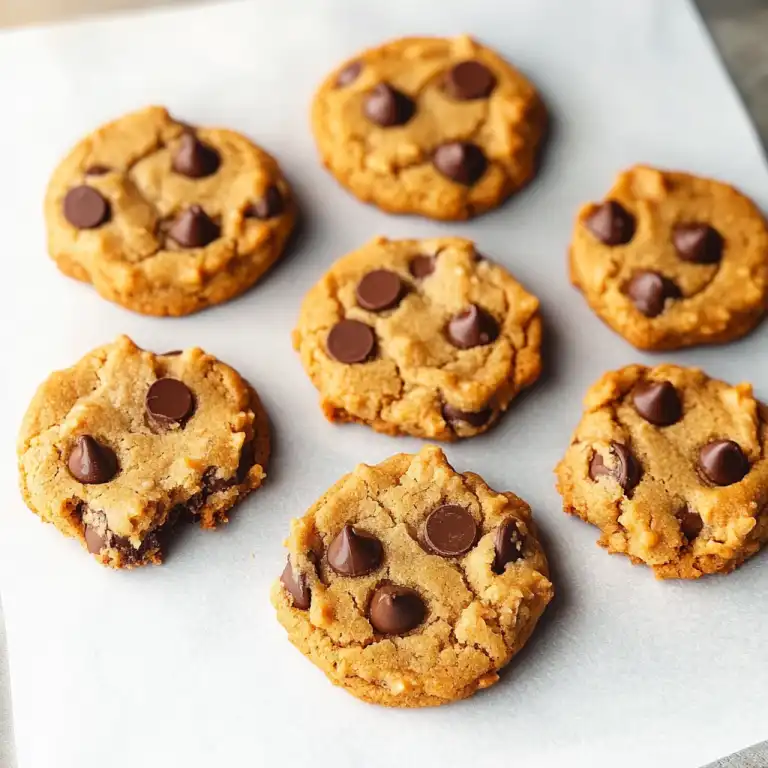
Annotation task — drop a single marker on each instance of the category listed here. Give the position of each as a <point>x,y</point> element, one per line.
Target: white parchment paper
<point>185,665</point>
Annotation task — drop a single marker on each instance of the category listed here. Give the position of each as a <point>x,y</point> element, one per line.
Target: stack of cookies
<point>407,583</point>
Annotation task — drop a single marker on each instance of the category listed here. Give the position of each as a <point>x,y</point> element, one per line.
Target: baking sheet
<point>186,664</point>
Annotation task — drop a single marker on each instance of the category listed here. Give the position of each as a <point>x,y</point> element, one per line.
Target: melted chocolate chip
<point>508,544</point>
<point>691,523</point>
<point>396,610</point>
<point>169,401</point>
<point>650,291</point>
<point>611,224</point>
<point>97,170</point>
<point>387,107</point>
<point>351,341</point>
<point>657,402</point>
<point>86,208</point>
<point>93,540</point>
<point>460,161</point>
<point>379,290</point>
<point>422,266</point>
<point>195,159</point>
<point>349,74</point>
<point>193,228</point>
<point>92,463</point>
<point>472,327</point>
<point>456,416</point>
<point>354,552</point>
<point>697,243</point>
<point>269,206</point>
<point>723,462</point>
<point>296,587</point>
<point>469,80</point>
<point>626,469</point>
<point>450,530</point>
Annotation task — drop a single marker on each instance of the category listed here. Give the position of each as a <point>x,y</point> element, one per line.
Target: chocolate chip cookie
<point>164,218</point>
<point>672,467</point>
<point>670,260</point>
<point>441,127</point>
<point>411,585</point>
<point>419,337</point>
<point>117,449</point>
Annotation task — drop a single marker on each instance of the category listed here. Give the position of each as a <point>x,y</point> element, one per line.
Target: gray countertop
<point>739,27</point>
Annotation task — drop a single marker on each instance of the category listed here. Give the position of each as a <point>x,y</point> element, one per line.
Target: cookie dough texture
<point>476,618</point>
<point>197,468</point>
<point>132,258</point>
<point>652,499</point>
<point>701,298</point>
<point>416,380</point>
<point>393,166</point>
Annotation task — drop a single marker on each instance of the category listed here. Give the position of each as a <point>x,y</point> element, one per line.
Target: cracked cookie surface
<point>419,337</point>
<point>441,127</point>
<point>672,467</point>
<point>670,260</point>
<point>119,448</point>
<point>410,584</point>
<point>166,219</point>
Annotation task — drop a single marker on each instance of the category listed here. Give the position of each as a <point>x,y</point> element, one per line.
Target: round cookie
<point>411,585</point>
<point>669,260</point>
<point>166,219</point>
<point>441,127</point>
<point>117,449</point>
<point>672,467</point>
<point>419,337</point>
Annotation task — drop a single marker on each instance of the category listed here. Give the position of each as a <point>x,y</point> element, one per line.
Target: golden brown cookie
<point>411,585</point>
<point>115,450</point>
<point>167,219</point>
<point>672,467</point>
<point>419,337</point>
<point>670,260</point>
<point>441,127</point>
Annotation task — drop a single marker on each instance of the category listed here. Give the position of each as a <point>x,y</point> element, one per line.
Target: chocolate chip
<point>193,228</point>
<point>386,106</point>
<point>379,290</point>
<point>349,74</point>
<point>93,540</point>
<point>396,610</point>
<point>97,170</point>
<point>91,462</point>
<point>691,523</point>
<point>650,291</point>
<point>698,243</point>
<point>611,224</point>
<point>85,207</point>
<point>472,327</point>
<point>195,159</point>
<point>508,544</point>
<point>469,80</point>
<point>354,552</point>
<point>626,470</point>
<point>267,207</point>
<point>422,266</point>
<point>450,530</point>
<point>657,402</point>
<point>172,353</point>
<point>351,341</point>
<point>460,161</point>
<point>169,401</point>
<point>456,416</point>
<point>723,462</point>
<point>296,587</point>
<point>247,460</point>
